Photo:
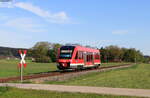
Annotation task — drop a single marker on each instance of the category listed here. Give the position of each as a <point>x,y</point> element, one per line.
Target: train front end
<point>65,57</point>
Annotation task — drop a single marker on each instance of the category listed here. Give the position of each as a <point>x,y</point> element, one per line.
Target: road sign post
<point>22,63</point>
<point>21,74</point>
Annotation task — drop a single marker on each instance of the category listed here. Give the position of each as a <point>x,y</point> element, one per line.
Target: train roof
<point>83,48</point>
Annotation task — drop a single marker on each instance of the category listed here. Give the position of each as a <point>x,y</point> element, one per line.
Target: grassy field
<point>22,93</point>
<point>137,76</point>
<point>8,68</point>
<point>114,64</point>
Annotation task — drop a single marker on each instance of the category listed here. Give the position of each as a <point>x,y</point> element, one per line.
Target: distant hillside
<point>9,52</point>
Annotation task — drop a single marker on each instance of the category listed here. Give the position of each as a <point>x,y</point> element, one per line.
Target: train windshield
<point>66,52</point>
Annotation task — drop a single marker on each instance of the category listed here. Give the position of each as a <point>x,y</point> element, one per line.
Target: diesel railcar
<point>77,57</point>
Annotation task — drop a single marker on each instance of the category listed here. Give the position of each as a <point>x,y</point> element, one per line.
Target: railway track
<point>56,73</point>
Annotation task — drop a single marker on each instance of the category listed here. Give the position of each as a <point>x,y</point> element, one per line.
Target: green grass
<point>114,64</point>
<point>22,93</point>
<point>8,68</point>
<point>137,76</point>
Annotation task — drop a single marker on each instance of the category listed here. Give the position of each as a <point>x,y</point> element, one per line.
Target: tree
<point>114,53</point>
<point>40,50</point>
<point>104,54</point>
<point>146,60</point>
<point>53,52</point>
<point>133,55</point>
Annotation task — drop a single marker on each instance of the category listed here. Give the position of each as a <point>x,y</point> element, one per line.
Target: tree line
<point>117,54</point>
<point>47,52</point>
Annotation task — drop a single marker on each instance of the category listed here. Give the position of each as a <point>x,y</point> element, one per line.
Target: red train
<point>77,57</point>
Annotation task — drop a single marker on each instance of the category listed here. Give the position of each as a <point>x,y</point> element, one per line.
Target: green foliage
<point>40,49</point>
<point>45,52</point>
<point>132,55</point>
<point>53,52</point>
<point>39,52</point>
<point>115,53</point>
<point>146,59</point>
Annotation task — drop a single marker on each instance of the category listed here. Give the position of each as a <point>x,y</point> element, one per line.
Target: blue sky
<point>98,23</point>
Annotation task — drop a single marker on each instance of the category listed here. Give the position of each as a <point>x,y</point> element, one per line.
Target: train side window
<point>97,56</point>
<point>91,57</point>
<point>80,55</point>
<point>76,55</point>
<point>87,58</point>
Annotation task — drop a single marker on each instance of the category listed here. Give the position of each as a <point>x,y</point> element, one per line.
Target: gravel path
<point>83,89</point>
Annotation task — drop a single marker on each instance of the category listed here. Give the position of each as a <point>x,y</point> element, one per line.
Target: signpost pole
<point>21,73</point>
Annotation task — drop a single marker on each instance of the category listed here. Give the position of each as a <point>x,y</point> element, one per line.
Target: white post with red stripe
<point>22,63</point>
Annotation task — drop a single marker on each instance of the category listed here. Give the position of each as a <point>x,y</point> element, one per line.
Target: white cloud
<point>59,17</point>
<point>8,4</point>
<point>25,24</point>
<point>120,32</point>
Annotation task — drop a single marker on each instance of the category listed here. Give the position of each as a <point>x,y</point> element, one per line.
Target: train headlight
<point>64,64</point>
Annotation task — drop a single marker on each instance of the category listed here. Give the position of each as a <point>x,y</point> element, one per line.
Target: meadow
<point>8,68</point>
<point>137,76</point>
<point>114,64</point>
<point>7,92</point>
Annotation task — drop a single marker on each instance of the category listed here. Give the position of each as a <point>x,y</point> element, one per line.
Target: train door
<point>88,59</point>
